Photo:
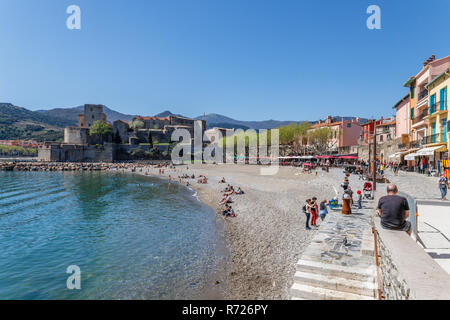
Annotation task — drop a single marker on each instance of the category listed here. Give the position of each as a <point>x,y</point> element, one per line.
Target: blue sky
<point>247,59</point>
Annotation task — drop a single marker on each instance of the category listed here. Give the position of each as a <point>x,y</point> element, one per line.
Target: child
<point>323,210</point>
<point>359,199</point>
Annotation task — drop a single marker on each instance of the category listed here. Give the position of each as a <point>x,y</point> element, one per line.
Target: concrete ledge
<point>407,271</point>
<point>438,203</point>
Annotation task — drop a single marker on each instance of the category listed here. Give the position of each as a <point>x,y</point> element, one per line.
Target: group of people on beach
<point>312,209</point>
<point>226,210</point>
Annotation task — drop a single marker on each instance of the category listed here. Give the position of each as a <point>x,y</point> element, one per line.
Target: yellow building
<point>438,138</point>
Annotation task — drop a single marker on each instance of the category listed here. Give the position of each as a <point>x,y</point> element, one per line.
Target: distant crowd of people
<point>226,209</point>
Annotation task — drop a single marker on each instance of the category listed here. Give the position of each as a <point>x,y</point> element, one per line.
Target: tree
<point>137,153</point>
<point>99,128</point>
<point>137,124</point>
<point>117,138</point>
<point>149,138</point>
<point>320,138</point>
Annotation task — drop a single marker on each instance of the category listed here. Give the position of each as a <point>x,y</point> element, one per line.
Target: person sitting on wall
<point>394,210</point>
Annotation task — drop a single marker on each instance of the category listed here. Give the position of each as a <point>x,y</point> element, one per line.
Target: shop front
<point>428,159</point>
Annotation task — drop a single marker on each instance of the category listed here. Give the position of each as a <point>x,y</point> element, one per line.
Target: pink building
<point>402,117</point>
<point>345,133</point>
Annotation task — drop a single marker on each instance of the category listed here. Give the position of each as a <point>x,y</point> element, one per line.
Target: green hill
<point>20,123</point>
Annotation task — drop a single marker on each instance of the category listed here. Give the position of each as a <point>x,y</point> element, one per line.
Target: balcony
<point>423,94</point>
<point>420,117</point>
<point>434,138</point>
<point>416,144</point>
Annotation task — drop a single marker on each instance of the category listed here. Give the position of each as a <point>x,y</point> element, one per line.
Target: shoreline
<point>268,235</point>
<point>262,261</point>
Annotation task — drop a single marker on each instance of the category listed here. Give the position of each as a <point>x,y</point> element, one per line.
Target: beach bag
<point>304,209</point>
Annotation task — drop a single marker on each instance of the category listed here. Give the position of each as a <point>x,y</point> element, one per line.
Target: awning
<point>395,155</point>
<point>429,151</point>
<point>410,156</point>
<point>349,157</point>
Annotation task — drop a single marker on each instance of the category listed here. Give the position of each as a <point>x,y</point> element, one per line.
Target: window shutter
<point>445,97</point>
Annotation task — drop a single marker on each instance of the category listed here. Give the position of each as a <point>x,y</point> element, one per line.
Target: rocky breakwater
<point>61,166</point>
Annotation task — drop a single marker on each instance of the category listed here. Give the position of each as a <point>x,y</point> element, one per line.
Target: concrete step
<point>306,292</point>
<point>367,288</point>
<point>368,244</point>
<point>352,273</point>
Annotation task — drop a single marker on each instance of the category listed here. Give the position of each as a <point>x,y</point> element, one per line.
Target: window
<point>433,104</point>
<point>443,99</point>
<point>412,92</point>
<point>412,113</point>
<point>349,125</point>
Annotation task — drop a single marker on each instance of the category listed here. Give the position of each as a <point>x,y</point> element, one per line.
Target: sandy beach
<point>268,235</point>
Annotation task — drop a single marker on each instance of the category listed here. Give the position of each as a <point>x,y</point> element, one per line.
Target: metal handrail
<point>413,215</point>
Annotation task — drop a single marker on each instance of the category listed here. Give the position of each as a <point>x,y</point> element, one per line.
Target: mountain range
<point>48,125</point>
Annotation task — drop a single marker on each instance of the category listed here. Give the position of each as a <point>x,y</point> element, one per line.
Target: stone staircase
<point>339,264</point>
<point>322,281</point>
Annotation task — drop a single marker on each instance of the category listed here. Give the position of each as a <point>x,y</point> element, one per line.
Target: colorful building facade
<point>438,116</point>
<point>345,133</point>
<point>419,98</point>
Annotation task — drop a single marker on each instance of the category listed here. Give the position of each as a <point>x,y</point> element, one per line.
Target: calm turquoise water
<point>131,237</point>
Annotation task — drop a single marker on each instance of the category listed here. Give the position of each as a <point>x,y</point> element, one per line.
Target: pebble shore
<point>268,235</point>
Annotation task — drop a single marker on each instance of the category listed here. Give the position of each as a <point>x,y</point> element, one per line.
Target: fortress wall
<point>74,135</point>
<point>100,154</point>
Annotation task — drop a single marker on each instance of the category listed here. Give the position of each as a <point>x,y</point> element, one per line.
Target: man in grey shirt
<point>394,210</point>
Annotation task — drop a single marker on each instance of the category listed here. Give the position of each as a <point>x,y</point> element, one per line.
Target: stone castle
<point>80,146</point>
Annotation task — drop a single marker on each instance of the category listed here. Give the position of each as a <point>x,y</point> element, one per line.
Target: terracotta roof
<point>386,124</point>
<point>122,121</point>
<point>324,124</point>
<point>152,118</point>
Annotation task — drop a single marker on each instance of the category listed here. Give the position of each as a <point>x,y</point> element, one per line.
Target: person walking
<point>394,210</point>
<point>443,186</point>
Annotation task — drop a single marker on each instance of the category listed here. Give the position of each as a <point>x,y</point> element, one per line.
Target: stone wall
<point>384,150</point>
<point>76,153</point>
<point>407,272</point>
<point>73,135</point>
